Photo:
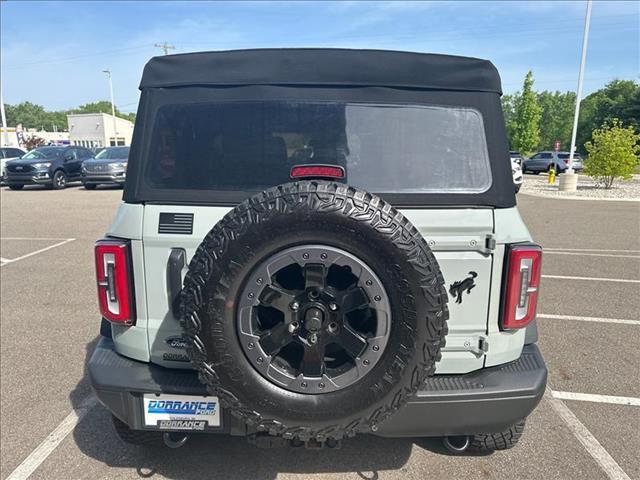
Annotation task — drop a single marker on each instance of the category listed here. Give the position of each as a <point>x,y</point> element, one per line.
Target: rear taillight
<point>115,282</point>
<point>522,283</point>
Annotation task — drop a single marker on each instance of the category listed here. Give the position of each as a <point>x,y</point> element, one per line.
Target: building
<point>97,130</point>
<point>16,136</point>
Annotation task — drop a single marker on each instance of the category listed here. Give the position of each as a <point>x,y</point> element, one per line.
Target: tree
<point>28,114</point>
<point>618,99</point>
<point>508,109</point>
<point>31,115</point>
<point>525,127</point>
<point>103,106</point>
<point>35,116</point>
<point>556,120</point>
<point>32,141</point>
<point>612,153</point>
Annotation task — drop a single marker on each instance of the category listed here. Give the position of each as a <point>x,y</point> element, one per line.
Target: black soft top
<point>376,77</point>
<point>330,66</point>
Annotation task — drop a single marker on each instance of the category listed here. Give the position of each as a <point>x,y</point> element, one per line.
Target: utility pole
<point>5,127</point>
<point>165,46</point>
<point>113,108</point>
<point>570,184</point>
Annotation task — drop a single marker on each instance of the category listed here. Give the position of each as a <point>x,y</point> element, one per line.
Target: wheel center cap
<point>313,319</point>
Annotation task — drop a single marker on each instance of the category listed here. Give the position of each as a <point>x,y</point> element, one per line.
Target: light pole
<point>5,127</point>
<point>113,108</point>
<point>570,184</point>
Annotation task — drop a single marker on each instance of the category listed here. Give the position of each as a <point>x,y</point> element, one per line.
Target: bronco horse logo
<point>457,288</point>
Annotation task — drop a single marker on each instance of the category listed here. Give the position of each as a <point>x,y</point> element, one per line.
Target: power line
<point>77,57</point>
<point>165,46</point>
<point>127,104</point>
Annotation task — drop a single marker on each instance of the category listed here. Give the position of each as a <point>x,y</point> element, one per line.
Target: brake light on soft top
<point>522,277</point>
<point>114,279</point>
<point>317,171</point>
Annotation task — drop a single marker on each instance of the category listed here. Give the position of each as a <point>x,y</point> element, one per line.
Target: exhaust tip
<point>175,439</point>
<point>457,444</point>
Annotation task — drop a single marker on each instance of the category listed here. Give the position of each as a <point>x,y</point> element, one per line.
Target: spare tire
<point>314,310</point>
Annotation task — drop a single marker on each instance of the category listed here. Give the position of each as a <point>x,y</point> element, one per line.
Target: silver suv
<point>314,244</point>
<point>545,161</point>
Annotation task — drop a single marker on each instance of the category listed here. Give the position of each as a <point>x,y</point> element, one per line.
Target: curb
<point>574,197</point>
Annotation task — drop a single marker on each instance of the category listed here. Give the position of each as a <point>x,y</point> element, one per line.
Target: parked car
<point>109,167</point>
<point>53,167</point>
<point>303,298</point>
<point>6,154</point>
<point>516,171</point>
<point>545,161</point>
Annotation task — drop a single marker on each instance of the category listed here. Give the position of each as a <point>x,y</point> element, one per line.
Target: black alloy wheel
<point>313,319</point>
<point>59,181</point>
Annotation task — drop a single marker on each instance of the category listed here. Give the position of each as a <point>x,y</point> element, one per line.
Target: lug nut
<point>293,326</point>
<point>333,307</point>
<point>294,306</point>
<point>333,327</point>
<point>313,338</point>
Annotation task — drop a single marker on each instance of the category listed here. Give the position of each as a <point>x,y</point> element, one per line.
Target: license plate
<point>180,412</point>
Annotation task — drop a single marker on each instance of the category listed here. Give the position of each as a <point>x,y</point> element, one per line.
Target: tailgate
<point>457,236</point>
<point>459,239</point>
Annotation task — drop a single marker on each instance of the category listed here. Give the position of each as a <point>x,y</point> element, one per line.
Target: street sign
<point>556,146</point>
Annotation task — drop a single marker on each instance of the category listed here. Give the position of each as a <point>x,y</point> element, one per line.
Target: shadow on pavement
<point>229,458</point>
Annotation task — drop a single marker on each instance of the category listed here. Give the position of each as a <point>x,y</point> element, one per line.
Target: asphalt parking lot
<point>587,427</point>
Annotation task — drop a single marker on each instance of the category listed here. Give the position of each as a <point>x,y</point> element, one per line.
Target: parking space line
<point>588,250</point>
<point>585,254</point>
<point>592,279</point>
<point>586,438</point>
<point>589,319</point>
<point>13,260</point>
<point>49,444</point>
<point>32,238</point>
<point>592,397</point>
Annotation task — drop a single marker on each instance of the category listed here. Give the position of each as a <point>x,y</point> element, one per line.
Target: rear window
<point>252,145</point>
<point>565,156</point>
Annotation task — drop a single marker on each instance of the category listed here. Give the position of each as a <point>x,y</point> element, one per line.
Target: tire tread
<point>325,197</point>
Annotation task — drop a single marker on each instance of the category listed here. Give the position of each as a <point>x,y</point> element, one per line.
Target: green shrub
<point>613,153</point>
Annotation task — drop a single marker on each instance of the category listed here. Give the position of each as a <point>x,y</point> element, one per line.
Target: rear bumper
<point>486,401</point>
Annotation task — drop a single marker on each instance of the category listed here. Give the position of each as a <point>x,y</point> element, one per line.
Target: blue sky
<point>53,53</point>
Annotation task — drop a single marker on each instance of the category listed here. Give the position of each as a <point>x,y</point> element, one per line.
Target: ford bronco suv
<point>317,243</point>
